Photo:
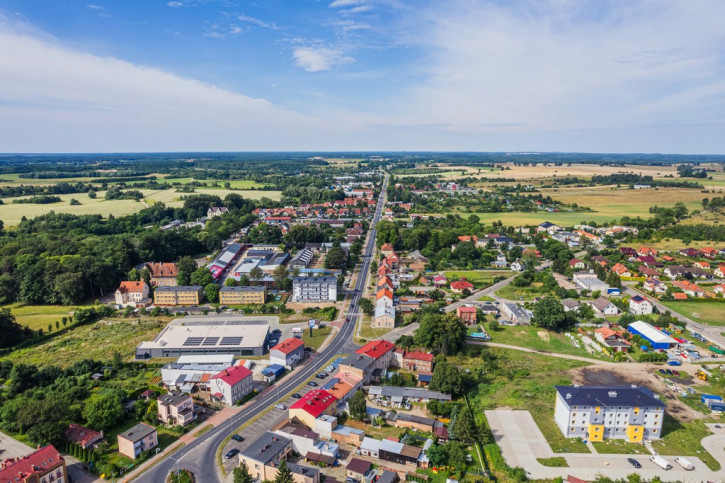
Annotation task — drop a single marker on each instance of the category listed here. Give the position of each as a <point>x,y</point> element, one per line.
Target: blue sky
<point>468,75</point>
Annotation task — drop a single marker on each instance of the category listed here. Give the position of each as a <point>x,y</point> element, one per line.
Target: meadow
<point>710,312</point>
<point>39,316</point>
<point>11,214</point>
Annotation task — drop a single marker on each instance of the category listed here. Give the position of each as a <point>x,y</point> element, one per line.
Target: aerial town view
<point>362,241</point>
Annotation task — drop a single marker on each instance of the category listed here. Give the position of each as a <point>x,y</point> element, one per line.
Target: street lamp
<point>177,460</point>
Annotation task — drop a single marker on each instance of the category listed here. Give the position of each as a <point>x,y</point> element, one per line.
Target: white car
<point>281,407</point>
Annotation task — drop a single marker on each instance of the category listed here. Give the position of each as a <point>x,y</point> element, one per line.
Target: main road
<point>199,455</point>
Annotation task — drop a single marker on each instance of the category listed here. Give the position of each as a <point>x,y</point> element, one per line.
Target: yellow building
<point>185,295</point>
<point>242,295</point>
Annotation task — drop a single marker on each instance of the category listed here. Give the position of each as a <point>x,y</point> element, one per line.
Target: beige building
<point>163,274</point>
<point>131,293</point>
<point>242,295</point>
<point>185,295</point>
<point>262,457</point>
<point>141,437</point>
<point>176,409</point>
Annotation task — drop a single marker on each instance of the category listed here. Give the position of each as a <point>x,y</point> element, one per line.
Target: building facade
<point>133,442</point>
<point>131,293</point>
<point>242,295</point>
<point>262,457</point>
<point>314,289</point>
<point>163,274</point>
<point>231,384</point>
<point>176,409</point>
<point>182,295</point>
<point>42,466</point>
<point>287,353</point>
<point>597,413</point>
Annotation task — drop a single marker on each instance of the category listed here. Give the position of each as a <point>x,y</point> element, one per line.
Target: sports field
<point>11,214</point>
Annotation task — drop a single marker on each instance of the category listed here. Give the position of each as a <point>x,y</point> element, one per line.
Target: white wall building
<point>314,289</point>
<point>231,384</point>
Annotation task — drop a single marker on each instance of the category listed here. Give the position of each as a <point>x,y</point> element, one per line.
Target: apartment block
<point>182,295</point>
<point>242,295</point>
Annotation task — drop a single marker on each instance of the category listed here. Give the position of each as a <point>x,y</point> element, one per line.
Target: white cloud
<point>257,22</point>
<point>95,7</point>
<point>56,98</point>
<point>319,58</point>
<point>346,3</point>
<point>175,4</point>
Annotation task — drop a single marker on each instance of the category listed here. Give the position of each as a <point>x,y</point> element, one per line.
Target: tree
<point>69,288</point>
<point>11,332</point>
<point>549,313</point>
<point>183,278</point>
<point>187,264</point>
<point>230,282</point>
<point>256,274</point>
<point>358,406</point>
<point>241,474</point>
<point>145,275</point>
<point>103,410</point>
<point>284,474</point>
<point>464,428</point>
<point>201,276</point>
<point>613,280</point>
<point>335,258</point>
<point>280,276</point>
<point>447,378</point>
<point>134,275</point>
<point>212,292</point>
<point>494,326</point>
<point>443,334</point>
<point>366,306</point>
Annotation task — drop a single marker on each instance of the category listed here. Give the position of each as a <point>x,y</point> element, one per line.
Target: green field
<point>539,339</point>
<point>95,341</point>
<point>241,184</point>
<point>710,312</point>
<point>11,214</point>
<point>479,278</point>
<point>39,316</point>
<point>318,337</point>
<point>15,179</point>
<point>520,293</point>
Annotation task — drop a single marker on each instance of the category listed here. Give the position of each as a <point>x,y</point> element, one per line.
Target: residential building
<point>653,335</point>
<point>648,272</point>
<point>611,339</point>
<point>548,227</point>
<point>690,289</point>
<point>604,306</point>
<point>516,313</point>
<point>654,285</point>
<point>644,251</point>
<point>468,314</point>
<point>358,469</point>
<point>597,413</point>
<point>577,264</point>
<point>384,316</point>
<point>314,289</point>
<point>411,421</point>
<point>288,352</point>
<point>131,293</point>
<point>417,361</point>
<point>216,211</point>
<point>41,466</point>
<point>194,371</point>
<point>399,453</point>
<point>263,456</point>
<point>370,361</point>
<point>308,443</point>
<point>312,405</point>
<point>675,271</point>
<point>82,436</point>
<point>399,395</point>
<point>133,442</point>
<point>720,271</point>
<point>517,265</point>
<point>621,270</point>
<point>208,334</point>
<point>163,274</point>
<point>703,265</point>
<point>243,295</point>
<point>461,285</point>
<point>176,409</point>
<point>639,305</point>
<point>570,304</point>
<point>231,385</point>
<point>181,295</point>
<point>387,249</point>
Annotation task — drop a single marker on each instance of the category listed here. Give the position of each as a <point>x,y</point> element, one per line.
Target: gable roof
<point>315,402</point>
<point>288,345</point>
<point>419,356</point>
<point>161,270</point>
<point>601,303</point>
<point>233,375</point>
<point>461,285</point>
<point>81,435</point>
<point>132,287</point>
<point>384,293</point>
<point>34,463</point>
<point>376,348</point>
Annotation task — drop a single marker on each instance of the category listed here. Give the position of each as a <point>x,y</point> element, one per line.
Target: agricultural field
<point>11,214</point>
<point>93,341</point>
<point>542,171</point>
<point>711,312</point>
<point>240,184</point>
<point>14,179</point>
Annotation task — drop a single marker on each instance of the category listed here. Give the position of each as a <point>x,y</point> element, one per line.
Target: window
<point>654,430</point>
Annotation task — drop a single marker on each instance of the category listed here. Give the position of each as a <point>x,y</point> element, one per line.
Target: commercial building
<point>42,466</point>
<point>597,413</point>
<point>242,295</point>
<point>132,293</point>
<point>262,457</point>
<point>225,260</point>
<point>231,385</point>
<point>516,313</point>
<point>194,370</point>
<point>212,334</point>
<point>180,295</point>
<point>314,289</point>
<point>133,442</point>
<point>288,352</point>
<point>588,281</point>
<point>657,338</point>
<point>399,395</point>
<point>176,409</point>
<point>312,405</point>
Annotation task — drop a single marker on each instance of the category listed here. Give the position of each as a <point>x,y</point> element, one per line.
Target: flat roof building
<point>653,335</point>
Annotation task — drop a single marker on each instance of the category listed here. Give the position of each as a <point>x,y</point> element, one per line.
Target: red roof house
<point>45,462</point>
<point>376,349</point>
<point>84,437</point>
<point>461,285</point>
<point>288,345</point>
<point>312,405</point>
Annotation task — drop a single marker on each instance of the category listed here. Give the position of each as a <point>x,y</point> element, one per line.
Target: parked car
<point>237,438</point>
<point>296,395</point>
<point>662,371</point>
<point>669,372</point>
<point>312,384</point>
<point>676,373</point>
<point>231,453</point>
<point>281,407</point>
<point>634,462</point>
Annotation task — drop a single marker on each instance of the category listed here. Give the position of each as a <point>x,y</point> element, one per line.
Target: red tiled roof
<point>163,269</point>
<point>315,402</point>
<point>419,356</point>
<point>128,287</point>
<point>461,285</point>
<point>467,310</point>
<point>376,348</point>
<point>679,296</point>
<point>232,375</point>
<point>43,459</point>
<point>80,435</point>
<point>384,293</point>
<point>386,247</point>
<point>288,345</point>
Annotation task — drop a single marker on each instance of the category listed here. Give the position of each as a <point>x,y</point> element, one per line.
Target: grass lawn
<point>479,278</point>
<point>376,431</point>
<point>520,293</point>
<point>539,339</point>
<point>554,461</point>
<point>95,341</point>
<point>318,337</point>
<point>368,333</point>
<point>711,312</point>
<point>684,439</point>
<point>39,316</point>
<point>619,446</point>
<point>526,381</point>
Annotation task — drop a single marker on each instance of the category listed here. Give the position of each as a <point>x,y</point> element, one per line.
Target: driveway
<point>522,443</point>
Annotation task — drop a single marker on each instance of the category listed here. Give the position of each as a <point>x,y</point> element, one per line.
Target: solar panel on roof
<point>231,341</point>
<point>210,341</point>
<point>193,341</point>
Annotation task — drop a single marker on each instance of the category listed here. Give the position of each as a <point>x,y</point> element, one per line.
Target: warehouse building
<point>657,338</point>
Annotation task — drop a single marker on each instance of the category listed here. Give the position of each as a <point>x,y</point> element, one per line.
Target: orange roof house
<point>384,293</point>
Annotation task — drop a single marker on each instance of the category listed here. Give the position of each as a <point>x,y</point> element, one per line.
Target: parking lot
<point>522,443</point>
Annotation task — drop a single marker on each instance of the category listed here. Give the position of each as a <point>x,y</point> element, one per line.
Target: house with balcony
<point>134,441</point>
<point>176,409</point>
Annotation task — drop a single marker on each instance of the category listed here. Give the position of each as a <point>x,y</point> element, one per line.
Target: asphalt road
<point>199,456</point>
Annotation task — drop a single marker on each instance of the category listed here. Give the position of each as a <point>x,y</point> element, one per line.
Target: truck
<point>661,462</point>
<point>716,350</point>
<point>685,463</point>
<point>705,397</point>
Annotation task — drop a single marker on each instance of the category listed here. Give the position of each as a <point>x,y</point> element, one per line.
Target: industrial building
<point>212,334</point>
<point>657,338</point>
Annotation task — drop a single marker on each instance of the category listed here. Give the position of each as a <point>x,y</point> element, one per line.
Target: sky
<point>362,75</point>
